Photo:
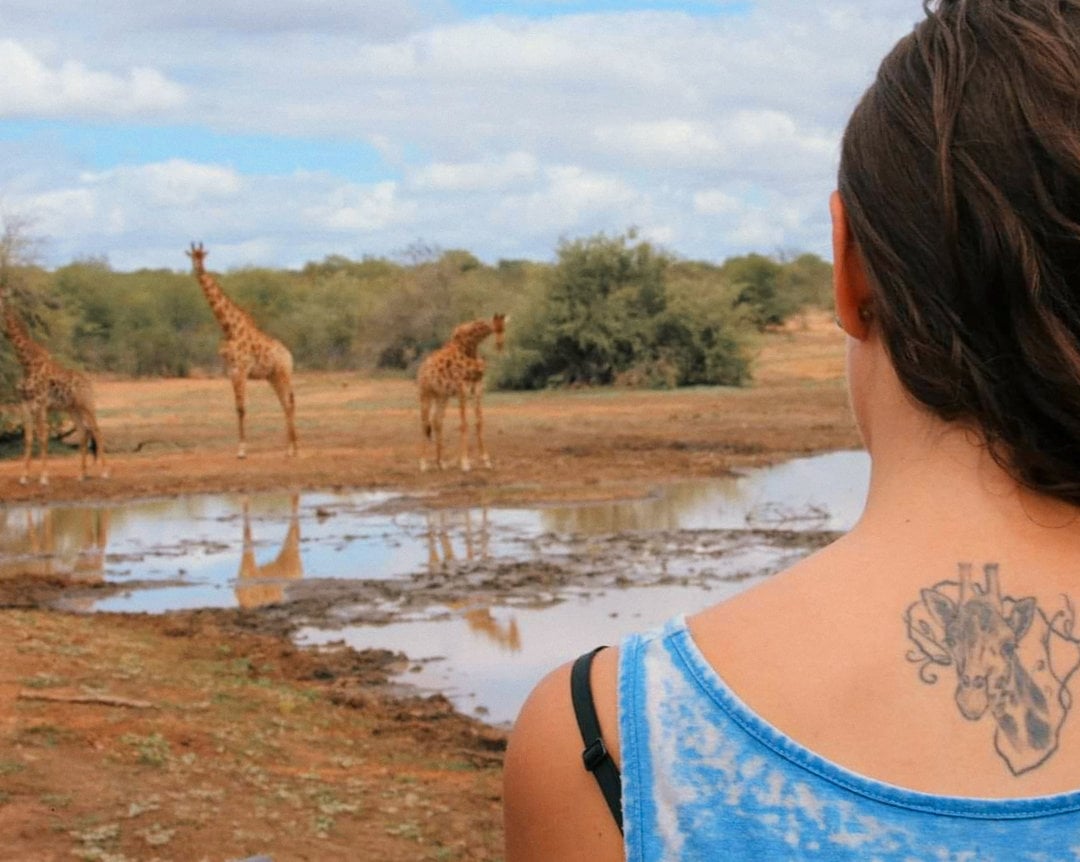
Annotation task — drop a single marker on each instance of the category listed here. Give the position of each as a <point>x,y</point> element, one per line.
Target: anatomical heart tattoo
<point>1012,662</point>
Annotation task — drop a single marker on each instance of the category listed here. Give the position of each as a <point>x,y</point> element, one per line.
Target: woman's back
<point>841,708</point>
<point>769,797</point>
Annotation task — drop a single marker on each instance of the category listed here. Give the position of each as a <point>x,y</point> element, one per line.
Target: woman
<point>907,692</point>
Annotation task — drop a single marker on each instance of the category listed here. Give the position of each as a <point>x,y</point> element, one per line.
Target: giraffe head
<point>197,254</point>
<point>498,327</point>
<point>982,639</point>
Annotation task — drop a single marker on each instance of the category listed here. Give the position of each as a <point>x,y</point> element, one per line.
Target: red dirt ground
<point>238,743</point>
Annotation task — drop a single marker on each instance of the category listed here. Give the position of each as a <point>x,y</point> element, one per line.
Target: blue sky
<point>358,127</point>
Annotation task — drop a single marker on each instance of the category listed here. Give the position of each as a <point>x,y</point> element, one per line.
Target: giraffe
<point>1011,661</point>
<point>47,385</point>
<point>258,585</point>
<point>456,369</point>
<point>248,352</point>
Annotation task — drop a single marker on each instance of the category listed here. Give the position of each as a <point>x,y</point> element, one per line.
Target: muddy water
<point>483,601</point>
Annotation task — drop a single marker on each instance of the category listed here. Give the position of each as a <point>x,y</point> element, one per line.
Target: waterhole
<point>483,601</point>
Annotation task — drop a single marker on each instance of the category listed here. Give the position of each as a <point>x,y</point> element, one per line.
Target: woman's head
<point>960,177</point>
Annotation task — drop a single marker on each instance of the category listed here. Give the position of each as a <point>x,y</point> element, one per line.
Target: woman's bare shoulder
<point>553,808</point>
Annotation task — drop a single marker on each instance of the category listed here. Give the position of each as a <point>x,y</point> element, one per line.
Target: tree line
<point>608,310</point>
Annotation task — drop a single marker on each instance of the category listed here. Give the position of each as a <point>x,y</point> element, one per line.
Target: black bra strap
<point>596,757</point>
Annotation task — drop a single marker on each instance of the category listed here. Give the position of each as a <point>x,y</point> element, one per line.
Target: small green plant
<point>56,800</point>
<point>43,680</point>
<point>45,735</point>
<point>407,829</point>
<point>153,750</point>
<point>156,835</point>
<point>97,842</point>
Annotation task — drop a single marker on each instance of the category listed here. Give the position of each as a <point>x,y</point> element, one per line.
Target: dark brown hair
<point>960,173</point>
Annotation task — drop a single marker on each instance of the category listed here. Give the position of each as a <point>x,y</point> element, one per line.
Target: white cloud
<point>716,202</point>
<point>29,87</point>
<point>569,199</point>
<point>58,211</point>
<point>356,208</point>
<point>368,19</point>
<point>513,169</point>
<point>173,183</point>
<point>680,141</point>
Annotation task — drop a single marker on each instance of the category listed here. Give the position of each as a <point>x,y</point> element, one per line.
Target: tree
<point>757,282</point>
<point>807,280</point>
<point>609,316</point>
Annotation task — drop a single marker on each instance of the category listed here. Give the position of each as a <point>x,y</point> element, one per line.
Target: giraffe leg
<point>239,383</point>
<point>425,429</point>
<point>28,436</point>
<point>41,425</point>
<point>84,435</point>
<point>444,540</point>
<point>433,552</point>
<point>99,444</point>
<point>477,396</point>
<point>282,385</point>
<point>463,449</point>
<point>92,434</point>
<point>437,424</point>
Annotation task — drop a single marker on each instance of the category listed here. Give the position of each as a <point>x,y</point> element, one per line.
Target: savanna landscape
<point>235,741</point>
<point>209,734</point>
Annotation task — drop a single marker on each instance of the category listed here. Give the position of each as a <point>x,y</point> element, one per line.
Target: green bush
<point>620,311</point>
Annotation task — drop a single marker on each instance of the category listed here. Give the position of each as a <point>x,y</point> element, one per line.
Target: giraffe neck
<point>467,338</point>
<point>27,351</point>
<point>225,310</point>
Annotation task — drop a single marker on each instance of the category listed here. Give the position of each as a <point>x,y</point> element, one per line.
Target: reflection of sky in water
<point>478,672</point>
<point>824,492</point>
<point>192,546</point>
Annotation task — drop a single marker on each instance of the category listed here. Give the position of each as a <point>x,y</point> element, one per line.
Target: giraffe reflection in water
<point>64,543</point>
<point>258,585</point>
<point>442,558</point>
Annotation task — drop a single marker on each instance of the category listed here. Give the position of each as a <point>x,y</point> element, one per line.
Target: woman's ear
<point>851,288</point>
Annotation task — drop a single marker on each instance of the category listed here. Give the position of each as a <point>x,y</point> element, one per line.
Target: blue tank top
<point>704,777</point>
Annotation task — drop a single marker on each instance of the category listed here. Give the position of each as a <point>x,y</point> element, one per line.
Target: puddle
<point>486,659</point>
<point>483,601</point>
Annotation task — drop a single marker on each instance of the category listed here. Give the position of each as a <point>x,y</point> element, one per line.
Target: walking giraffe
<point>47,385</point>
<point>249,353</point>
<point>456,369</point>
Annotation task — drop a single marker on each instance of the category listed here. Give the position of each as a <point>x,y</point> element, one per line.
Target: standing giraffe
<point>456,369</point>
<point>47,385</point>
<point>248,352</point>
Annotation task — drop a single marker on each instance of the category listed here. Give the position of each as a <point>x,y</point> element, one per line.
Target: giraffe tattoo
<point>1011,660</point>
<point>456,369</point>
<point>47,385</point>
<point>249,353</point>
